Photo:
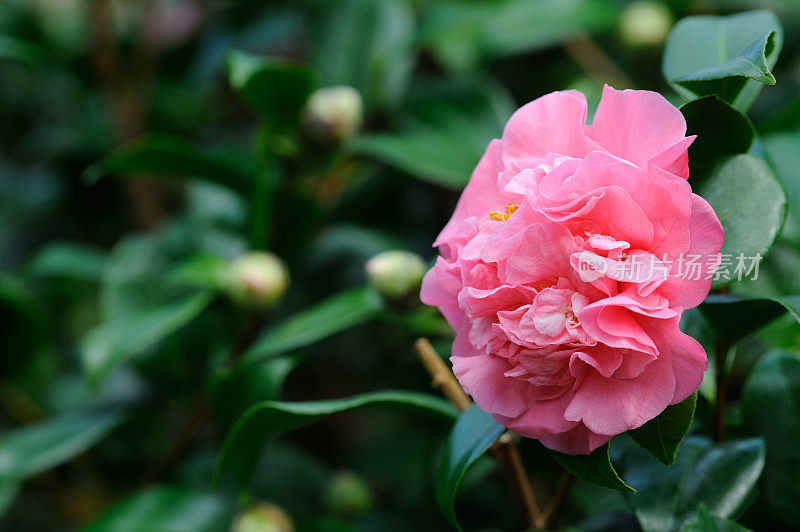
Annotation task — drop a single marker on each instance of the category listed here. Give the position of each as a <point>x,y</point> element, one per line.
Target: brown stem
<point>550,514</point>
<point>504,449</point>
<point>125,100</point>
<point>443,378</point>
<point>595,62</point>
<point>721,376</point>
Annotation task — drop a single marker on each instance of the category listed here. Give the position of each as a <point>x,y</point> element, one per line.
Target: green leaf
<point>366,44</point>
<point>335,314</point>
<point>16,49</point>
<point>461,35</point>
<point>730,56</point>
<point>447,128</point>
<point>270,418</point>
<point>276,89</point>
<point>162,155</point>
<point>750,203</point>
<point>719,476</point>
<point>234,390</point>
<point>772,408</point>
<point>126,335</point>
<point>69,260</point>
<point>721,130</point>
<point>662,435</point>
<point>8,493</point>
<point>167,509</point>
<point>704,521</point>
<point>27,451</point>
<point>472,435</point>
<point>595,468</point>
<point>734,316</point>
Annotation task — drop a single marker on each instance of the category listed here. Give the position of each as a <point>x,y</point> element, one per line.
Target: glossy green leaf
<point>705,521</point>
<point>70,261</point>
<point>772,409</point>
<point>8,494</point>
<point>662,435</point>
<point>447,129</point>
<point>162,155</point>
<point>721,130</point>
<point>16,49</point>
<point>721,477</point>
<point>270,418</point>
<point>167,509</point>
<point>234,390</point>
<point>734,316</point>
<point>30,450</point>
<point>126,335</point>
<point>595,468</point>
<point>366,44</point>
<point>335,314</point>
<point>276,89</point>
<point>472,435</point>
<point>749,201</point>
<point>730,56</point>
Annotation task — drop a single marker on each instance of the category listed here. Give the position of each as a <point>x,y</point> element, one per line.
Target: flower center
<point>502,217</point>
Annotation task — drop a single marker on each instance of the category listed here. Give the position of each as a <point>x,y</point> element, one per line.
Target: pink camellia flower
<point>567,264</point>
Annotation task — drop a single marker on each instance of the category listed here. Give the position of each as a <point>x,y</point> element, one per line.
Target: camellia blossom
<point>557,337</point>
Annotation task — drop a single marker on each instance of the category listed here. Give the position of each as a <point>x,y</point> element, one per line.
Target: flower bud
<point>334,113</point>
<point>348,495</point>
<point>645,23</point>
<point>257,280</point>
<point>263,517</point>
<point>395,273</point>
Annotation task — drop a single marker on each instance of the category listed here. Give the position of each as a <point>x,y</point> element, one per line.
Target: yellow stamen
<point>502,217</point>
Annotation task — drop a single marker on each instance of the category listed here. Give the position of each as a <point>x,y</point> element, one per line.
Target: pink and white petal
<point>440,288</point>
<point>579,440</point>
<point>552,124</point>
<point>483,378</point>
<point>685,354</point>
<point>612,406</point>
<point>706,237</point>
<point>481,195</point>
<point>636,125</point>
<point>674,159</point>
<point>541,418</point>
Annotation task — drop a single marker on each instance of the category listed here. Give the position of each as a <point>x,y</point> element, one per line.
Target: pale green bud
<point>348,495</point>
<point>257,280</point>
<point>334,113</point>
<point>645,23</point>
<point>263,517</point>
<point>395,273</point>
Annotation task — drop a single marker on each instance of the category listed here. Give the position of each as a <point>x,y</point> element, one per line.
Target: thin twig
<point>595,62</point>
<point>550,513</point>
<point>504,449</point>
<point>443,378</point>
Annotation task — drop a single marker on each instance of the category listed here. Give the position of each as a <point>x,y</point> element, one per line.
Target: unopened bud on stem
<point>348,495</point>
<point>257,280</point>
<point>263,517</point>
<point>645,23</point>
<point>395,273</point>
<point>334,113</point>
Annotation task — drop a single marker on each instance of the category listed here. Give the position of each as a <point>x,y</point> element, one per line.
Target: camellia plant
<point>239,333</point>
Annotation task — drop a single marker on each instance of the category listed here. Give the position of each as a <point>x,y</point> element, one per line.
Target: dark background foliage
<point>146,144</point>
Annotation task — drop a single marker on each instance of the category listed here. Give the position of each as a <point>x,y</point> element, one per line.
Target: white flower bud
<point>395,273</point>
<point>263,517</point>
<point>645,23</point>
<point>334,113</point>
<point>348,495</point>
<point>257,280</point>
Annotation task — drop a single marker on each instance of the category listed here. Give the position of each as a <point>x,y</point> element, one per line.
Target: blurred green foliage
<point>147,144</point>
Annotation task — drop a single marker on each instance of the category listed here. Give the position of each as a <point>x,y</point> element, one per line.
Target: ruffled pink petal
<point>551,124</point>
<point>481,195</point>
<point>611,406</point>
<point>482,377</point>
<point>636,125</point>
<point>579,440</point>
